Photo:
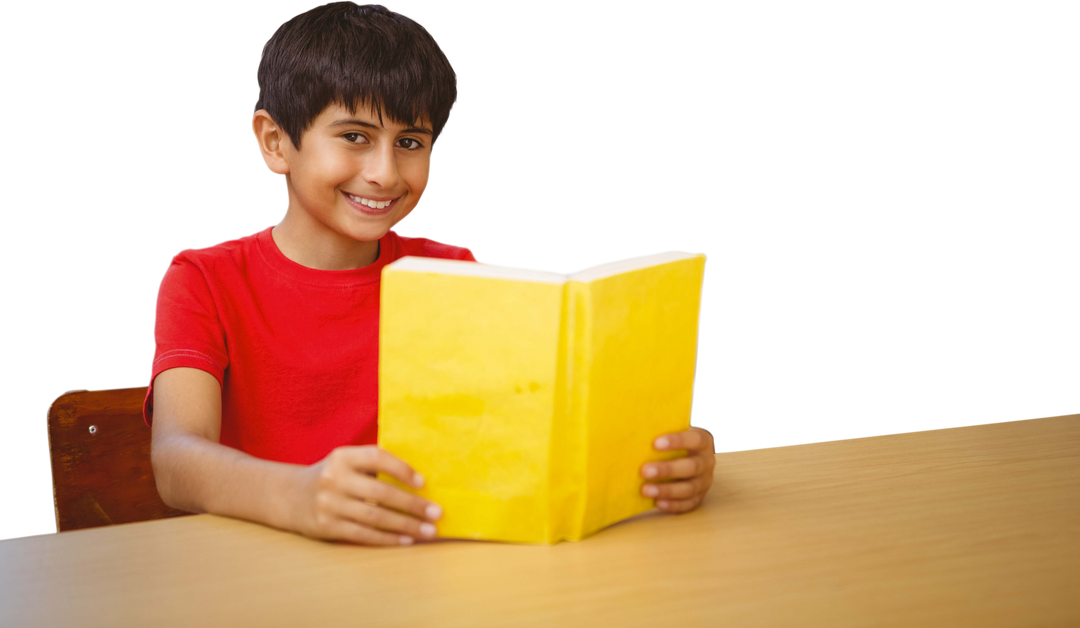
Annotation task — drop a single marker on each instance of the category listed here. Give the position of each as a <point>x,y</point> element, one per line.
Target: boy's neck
<point>322,249</point>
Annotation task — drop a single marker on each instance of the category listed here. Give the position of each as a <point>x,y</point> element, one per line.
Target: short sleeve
<point>188,330</point>
<point>466,255</point>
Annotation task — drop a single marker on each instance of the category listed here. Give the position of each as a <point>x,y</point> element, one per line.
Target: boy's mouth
<point>371,206</point>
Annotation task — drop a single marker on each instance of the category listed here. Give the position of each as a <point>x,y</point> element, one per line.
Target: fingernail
<point>405,540</point>
<point>427,529</point>
<point>433,512</point>
<point>662,443</point>
<point>661,504</point>
<point>650,472</point>
<point>651,491</point>
<point>417,480</point>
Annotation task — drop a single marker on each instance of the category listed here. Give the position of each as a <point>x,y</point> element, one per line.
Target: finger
<point>693,439</point>
<point>374,459</point>
<point>674,490</point>
<point>353,532</point>
<point>383,519</point>
<point>678,469</point>
<point>679,505</point>
<point>367,488</point>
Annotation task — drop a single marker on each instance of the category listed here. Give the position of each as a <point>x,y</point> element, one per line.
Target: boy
<point>263,393</point>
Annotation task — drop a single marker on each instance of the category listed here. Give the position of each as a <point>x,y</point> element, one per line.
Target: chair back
<point>100,451</point>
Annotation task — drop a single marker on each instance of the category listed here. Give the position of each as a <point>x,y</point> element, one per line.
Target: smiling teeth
<point>371,204</point>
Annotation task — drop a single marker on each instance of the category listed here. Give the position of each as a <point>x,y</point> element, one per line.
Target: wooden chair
<point>100,450</point>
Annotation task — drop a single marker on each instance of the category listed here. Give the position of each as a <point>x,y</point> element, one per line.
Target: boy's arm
<point>195,472</point>
<point>331,499</point>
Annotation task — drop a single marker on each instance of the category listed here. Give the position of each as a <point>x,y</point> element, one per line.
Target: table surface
<point>973,526</point>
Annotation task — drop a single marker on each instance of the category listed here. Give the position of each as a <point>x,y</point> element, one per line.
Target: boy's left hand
<point>693,474</point>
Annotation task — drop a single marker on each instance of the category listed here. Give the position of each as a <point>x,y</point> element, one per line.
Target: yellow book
<point>530,400</point>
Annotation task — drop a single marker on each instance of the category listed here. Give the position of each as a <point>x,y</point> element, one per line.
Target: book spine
<point>567,482</point>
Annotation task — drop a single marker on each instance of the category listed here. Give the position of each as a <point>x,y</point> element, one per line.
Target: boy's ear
<point>271,139</point>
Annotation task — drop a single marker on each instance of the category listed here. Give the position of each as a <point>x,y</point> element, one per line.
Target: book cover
<point>530,400</point>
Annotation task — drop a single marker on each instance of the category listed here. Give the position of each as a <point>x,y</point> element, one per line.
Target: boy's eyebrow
<point>353,121</point>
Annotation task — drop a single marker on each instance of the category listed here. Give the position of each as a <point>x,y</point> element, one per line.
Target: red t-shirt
<point>296,350</point>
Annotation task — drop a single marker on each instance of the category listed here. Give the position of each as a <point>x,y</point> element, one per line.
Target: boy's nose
<point>381,171</point>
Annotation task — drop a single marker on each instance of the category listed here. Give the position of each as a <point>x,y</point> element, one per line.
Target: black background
<point>865,275</point>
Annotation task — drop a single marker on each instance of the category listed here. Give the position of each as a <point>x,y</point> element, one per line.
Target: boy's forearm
<point>199,475</point>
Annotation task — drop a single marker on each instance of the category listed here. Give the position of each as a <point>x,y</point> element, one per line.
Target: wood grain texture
<point>975,526</point>
<point>102,477</point>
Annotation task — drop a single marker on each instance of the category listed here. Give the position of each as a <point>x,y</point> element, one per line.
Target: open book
<point>530,400</point>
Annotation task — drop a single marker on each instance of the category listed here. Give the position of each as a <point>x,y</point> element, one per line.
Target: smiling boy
<point>264,384</point>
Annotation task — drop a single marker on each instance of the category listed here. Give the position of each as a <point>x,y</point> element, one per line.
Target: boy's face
<point>356,176</point>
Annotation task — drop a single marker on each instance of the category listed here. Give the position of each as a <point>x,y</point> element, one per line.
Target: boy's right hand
<point>342,500</point>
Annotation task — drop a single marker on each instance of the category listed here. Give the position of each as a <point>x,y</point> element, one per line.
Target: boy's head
<point>356,57</point>
<point>366,91</point>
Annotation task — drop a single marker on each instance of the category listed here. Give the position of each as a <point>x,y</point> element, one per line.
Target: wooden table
<point>974,526</point>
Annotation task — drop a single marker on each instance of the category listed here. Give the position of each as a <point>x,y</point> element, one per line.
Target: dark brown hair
<point>354,56</point>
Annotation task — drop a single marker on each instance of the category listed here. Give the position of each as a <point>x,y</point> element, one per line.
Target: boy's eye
<point>409,143</point>
<point>415,146</point>
<point>351,137</point>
